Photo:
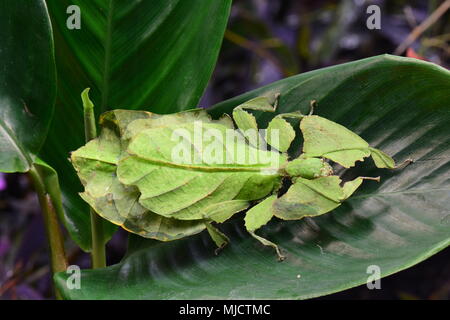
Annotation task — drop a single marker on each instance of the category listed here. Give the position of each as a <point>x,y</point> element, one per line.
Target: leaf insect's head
<point>308,168</point>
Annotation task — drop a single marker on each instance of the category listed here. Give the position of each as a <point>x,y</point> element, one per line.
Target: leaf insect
<point>131,177</point>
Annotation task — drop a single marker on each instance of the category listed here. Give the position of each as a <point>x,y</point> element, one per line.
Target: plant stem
<point>54,236</point>
<point>98,247</point>
<point>98,254</point>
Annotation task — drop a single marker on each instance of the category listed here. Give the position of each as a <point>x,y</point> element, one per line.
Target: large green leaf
<point>399,105</point>
<point>155,55</point>
<point>27,82</point>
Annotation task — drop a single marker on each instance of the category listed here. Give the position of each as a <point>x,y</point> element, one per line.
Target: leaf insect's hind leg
<point>268,243</point>
<point>220,239</point>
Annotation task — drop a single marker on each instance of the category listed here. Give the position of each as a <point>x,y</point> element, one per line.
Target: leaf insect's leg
<point>258,216</point>
<point>383,160</point>
<point>312,105</point>
<point>220,239</point>
<point>268,243</point>
<point>350,186</point>
<point>404,164</point>
<point>377,179</point>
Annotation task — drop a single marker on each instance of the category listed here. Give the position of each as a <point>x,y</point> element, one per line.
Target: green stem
<point>54,236</point>
<point>98,246</point>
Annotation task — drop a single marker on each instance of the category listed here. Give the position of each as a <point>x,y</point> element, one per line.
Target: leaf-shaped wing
<point>214,171</point>
<point>96,165</point>
<point>121,207</point>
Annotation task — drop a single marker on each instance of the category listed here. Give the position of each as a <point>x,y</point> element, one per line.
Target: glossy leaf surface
<point>27,82</point>
<point>398,105</point>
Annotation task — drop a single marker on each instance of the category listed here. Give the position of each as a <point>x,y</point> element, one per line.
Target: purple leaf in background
<point>2,181</point>
<point>5,244</point>
<point>267,74</point>
<point>25,292</point>
<point>33,240</point>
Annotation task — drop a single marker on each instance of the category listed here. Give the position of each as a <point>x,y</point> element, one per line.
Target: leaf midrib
<point>199,168</point>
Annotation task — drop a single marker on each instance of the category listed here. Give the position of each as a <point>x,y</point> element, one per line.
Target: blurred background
<point>266,40</point>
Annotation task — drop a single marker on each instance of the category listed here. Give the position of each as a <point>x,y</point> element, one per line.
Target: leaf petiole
<point>98,254</point>
<point>49,213</point>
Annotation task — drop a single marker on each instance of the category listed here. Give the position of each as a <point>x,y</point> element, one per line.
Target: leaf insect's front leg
<point>323,138</point>
<point>279,133</point>
<point>246,122</point>
<point>382,160</point>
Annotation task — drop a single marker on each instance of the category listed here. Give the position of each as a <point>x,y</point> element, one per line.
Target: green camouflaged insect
<point>131,178</point>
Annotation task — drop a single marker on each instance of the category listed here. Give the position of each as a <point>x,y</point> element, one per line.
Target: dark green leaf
<point>396,104</point>
<point>155,55</point>
<point>27,82</point>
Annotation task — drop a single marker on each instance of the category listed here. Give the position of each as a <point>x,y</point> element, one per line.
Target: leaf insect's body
<point>170,176</point>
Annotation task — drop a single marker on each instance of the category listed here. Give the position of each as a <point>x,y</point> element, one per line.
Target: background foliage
<point>265,41</point>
